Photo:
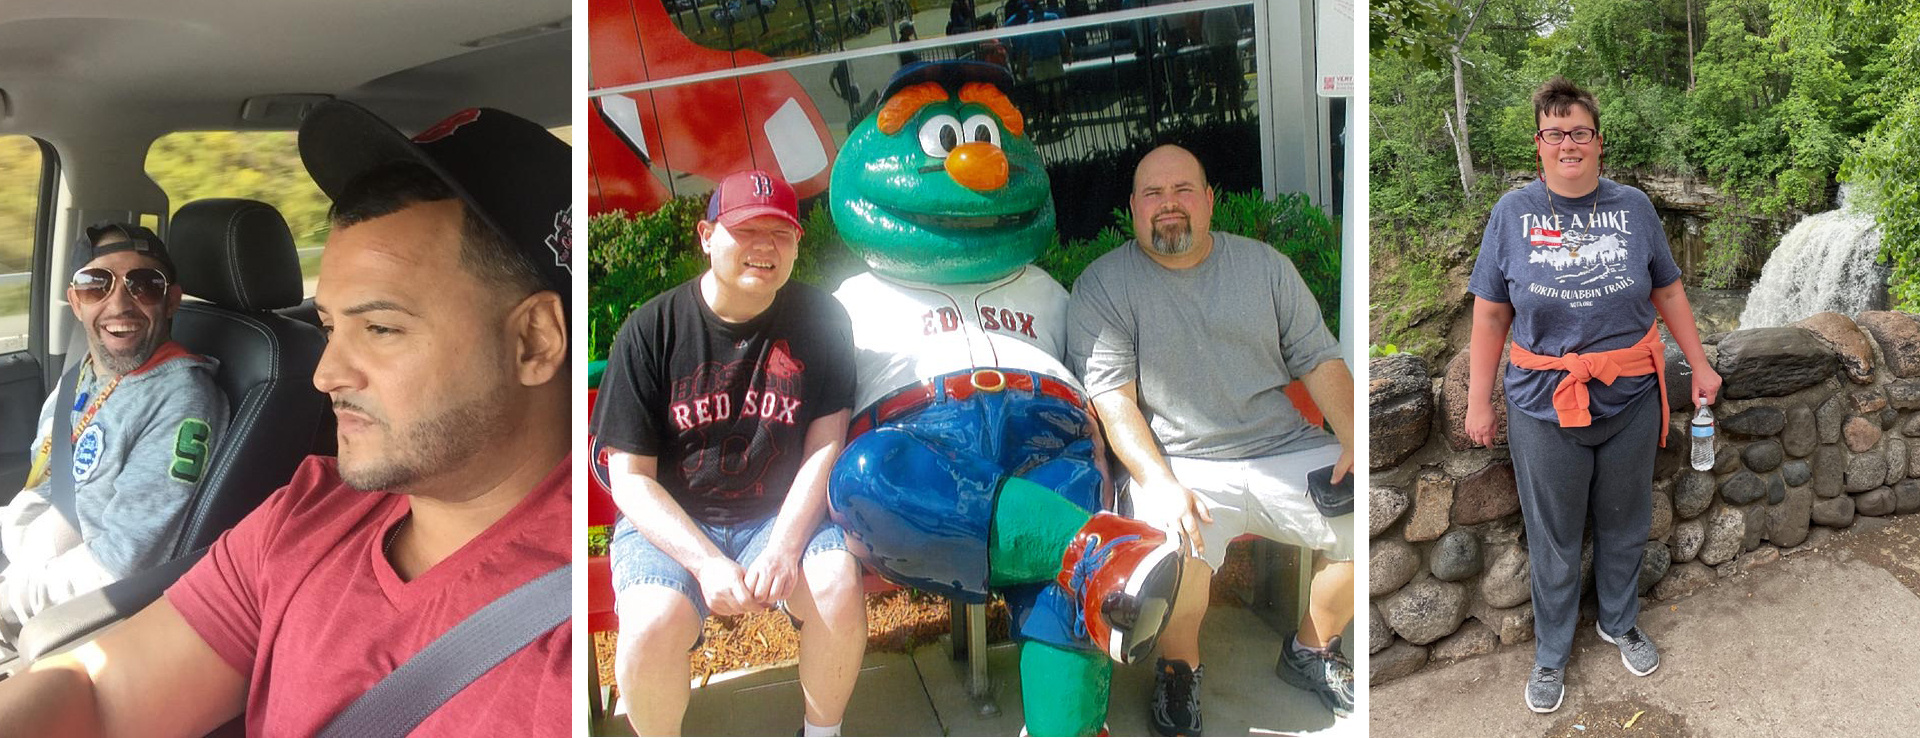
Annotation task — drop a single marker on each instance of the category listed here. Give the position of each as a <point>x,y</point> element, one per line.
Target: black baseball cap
<point>140,240</point>
<point>508,170</point>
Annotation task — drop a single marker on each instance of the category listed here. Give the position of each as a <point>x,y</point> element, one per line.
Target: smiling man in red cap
<point>329,610</point>
<point>724,405</point>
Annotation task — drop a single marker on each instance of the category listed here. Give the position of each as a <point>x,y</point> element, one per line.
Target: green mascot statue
<point>972,460</point>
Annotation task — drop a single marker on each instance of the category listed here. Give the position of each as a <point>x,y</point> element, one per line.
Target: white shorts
<point>1266,496</point>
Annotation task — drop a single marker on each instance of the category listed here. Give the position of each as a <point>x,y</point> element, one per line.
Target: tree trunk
<point>1689,45</point>
<point>1461,148</point>
<point>1462,151</point>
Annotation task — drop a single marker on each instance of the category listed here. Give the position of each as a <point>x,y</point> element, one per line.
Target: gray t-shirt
<point>1580,274</point>
<point>1213,347</point>
<point>135,468</point>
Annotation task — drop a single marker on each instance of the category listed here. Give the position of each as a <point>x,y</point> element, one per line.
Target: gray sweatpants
<point>1564,474</point>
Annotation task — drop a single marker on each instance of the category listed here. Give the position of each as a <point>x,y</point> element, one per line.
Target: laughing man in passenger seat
<point>443,290</point>
<point>144,413</point>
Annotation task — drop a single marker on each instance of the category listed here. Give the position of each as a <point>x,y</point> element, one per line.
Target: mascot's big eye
<point>982,128</point>
<point>939,135</point>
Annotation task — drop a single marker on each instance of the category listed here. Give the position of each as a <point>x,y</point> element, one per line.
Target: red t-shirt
<point>301,597</point>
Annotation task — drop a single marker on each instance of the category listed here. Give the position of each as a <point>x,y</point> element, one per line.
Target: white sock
<point>1298,646</point>
<point>817,730</point>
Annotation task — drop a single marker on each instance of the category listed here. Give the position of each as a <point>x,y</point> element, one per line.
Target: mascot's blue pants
<point>918,495</point>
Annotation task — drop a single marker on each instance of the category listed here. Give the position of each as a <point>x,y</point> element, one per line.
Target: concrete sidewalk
<point>924,693</point>
<point>1825,642</point>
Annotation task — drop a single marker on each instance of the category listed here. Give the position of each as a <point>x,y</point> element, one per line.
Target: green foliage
<point>1730,237</point>
<point>631,259</point>
<point>1408,293</point>
<point>1065,261</point>
<point>825,261</point>
<point>1887,160</point>
<point>1377,351</point>
<point>1416,30</point>
<point>257,165</point>
<point>19,200</point>
<point>599,539</point>
<point>1883,164</point>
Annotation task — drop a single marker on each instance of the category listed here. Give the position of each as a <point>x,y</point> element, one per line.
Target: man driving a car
<point>443,290</point>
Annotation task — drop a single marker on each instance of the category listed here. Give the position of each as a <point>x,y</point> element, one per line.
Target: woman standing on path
<point>1577,266</point>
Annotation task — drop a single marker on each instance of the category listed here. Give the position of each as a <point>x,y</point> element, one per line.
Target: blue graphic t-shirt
<point>1580,274</point>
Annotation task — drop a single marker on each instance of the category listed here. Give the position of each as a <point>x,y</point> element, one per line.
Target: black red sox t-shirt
<point>725,406</point>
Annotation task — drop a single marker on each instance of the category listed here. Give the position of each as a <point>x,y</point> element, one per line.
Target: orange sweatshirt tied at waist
<point>1570,398</point>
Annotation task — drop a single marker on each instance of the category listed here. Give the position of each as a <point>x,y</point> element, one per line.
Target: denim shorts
<point>636,561</point>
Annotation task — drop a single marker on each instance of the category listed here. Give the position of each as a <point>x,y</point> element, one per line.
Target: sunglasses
<point>147,286</point>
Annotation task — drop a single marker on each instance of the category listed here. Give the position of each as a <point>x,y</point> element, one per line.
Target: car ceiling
<point>100,79</point>
<point>63,62</point>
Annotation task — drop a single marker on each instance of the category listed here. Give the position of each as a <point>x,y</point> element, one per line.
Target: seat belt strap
<point>401,701</point>
<point>60,460</point>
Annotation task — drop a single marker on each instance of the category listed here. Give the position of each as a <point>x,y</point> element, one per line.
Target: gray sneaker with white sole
<point>1636,651</point>
<point>1546,689</point>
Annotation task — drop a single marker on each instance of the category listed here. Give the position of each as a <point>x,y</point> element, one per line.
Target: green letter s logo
<point>190,450</point>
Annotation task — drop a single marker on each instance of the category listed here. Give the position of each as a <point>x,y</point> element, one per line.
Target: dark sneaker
<point>1546,689</point>
<point>1176,698</point>
<point>1636,651</point>
<point>1328,676</point>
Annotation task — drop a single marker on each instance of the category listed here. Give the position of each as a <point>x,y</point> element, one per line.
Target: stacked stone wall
<point>1819,424</point>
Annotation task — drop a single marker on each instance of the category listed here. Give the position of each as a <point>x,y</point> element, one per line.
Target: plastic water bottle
<point>1703,439</point>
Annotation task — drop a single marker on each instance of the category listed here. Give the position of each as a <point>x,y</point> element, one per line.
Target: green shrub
<point>631,259</point>
<point>1731,237</point>
<point>1066,260</point>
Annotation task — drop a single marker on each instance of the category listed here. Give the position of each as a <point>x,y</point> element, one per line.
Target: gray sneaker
<point>1546,689</point>
<point>1329,675</point>
<point>1636,651</point>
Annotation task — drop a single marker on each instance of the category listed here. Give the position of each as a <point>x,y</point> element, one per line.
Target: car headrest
<point>235,253</point>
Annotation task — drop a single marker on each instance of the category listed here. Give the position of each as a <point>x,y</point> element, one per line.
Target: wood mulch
<point>897,621</point>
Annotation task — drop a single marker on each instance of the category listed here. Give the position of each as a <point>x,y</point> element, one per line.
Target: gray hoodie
<point>134,469</point>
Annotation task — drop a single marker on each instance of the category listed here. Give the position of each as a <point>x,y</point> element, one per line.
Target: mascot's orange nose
<point>978,166</point>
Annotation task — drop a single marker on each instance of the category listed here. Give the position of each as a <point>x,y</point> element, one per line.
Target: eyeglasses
<point>147,286</point>
<point>1553,136</point>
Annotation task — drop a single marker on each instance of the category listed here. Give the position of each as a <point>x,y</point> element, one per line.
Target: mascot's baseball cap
<point>950,75</point>
<point>140,240</point>
<point>751,194</point>
<point>509,171</point>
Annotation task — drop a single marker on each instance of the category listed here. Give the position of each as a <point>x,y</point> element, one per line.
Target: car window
<point>20,186</point>
<point>257,165</point>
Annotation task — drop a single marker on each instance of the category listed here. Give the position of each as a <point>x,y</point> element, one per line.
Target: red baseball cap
<point>750,194</point>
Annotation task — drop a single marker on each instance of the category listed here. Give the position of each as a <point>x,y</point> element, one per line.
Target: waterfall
<point>1826,263</point>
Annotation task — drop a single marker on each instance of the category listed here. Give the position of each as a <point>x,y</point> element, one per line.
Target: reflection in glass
<point>1094,99</point>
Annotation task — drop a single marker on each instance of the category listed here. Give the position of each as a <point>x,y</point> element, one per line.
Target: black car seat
<point>239,257</point>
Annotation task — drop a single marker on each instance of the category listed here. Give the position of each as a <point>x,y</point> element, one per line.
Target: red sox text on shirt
<point>703,397</point>
<point>946,319</point>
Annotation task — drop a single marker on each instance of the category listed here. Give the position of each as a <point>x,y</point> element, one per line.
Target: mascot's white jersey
<point>909,332</point>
